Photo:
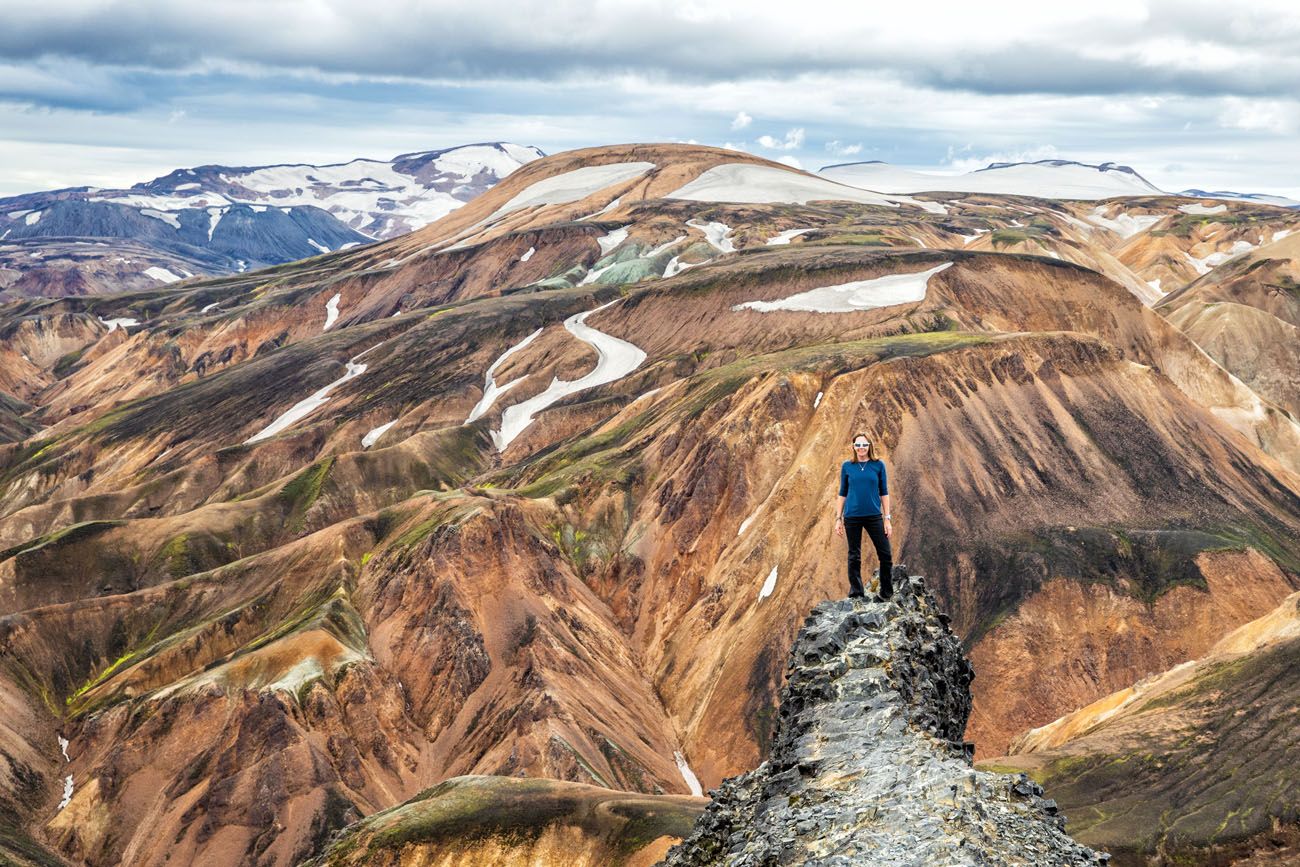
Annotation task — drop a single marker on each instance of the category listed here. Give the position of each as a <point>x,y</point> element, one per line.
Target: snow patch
<point>857,295</point>
<point>665,245</point>
<point>63,747</point>
<point>967,239</point>
<point>744,525</point>
<point>769,585</point>
<point>33,218</point>
<point>692,782</point>
<point>305,407</point>
<point>752,184</point>
<point>716,234</point>
<point>611,241</point>
<point>375,433</point>
<point>1123,224</point>
<point>677,266</point>
<point>605,210</point>
<point>124,321</point>
<point>67,792</point>
<point>331,311</point>
<point>1205,265</point>
<point>1155,284</point>
<point>817,400</point>
<point>1198,208</point>
<point>1277,236</point>
<point>571,186</point>
<point>206,307</point>
<point>528,255</point>
<point>920,243</point>
<point>594,275</point>
<point>169,219</point>
<point>615,359</point>
<point>320,247</point>
<point>491,391</point>
<point>784,237</point>
<point>162,274</point>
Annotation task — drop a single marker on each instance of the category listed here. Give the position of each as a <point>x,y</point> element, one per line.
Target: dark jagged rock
<point>867,765</point>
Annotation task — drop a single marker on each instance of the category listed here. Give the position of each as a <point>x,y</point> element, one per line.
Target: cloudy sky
<point>110,92</point>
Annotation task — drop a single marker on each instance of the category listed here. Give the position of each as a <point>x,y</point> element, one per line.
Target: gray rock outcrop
<point>867,766</point>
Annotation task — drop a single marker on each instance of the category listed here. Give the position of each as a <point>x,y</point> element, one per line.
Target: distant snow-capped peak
<point>1048,179</point>
<point>378,198</point>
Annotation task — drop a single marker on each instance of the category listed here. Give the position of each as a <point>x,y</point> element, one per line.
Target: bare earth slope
<point>545,487</point>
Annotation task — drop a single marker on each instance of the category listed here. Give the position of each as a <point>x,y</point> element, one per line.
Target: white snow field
<point>692,782</point>
<point>528,255</point>
<point>1123,224</point>
<point>615,359</point>
<point>1214,260</point>
<point>1198,208</point>
<point>608,243</point>
<point>676,266</point>
<point>331,311</point>
<point>784,237</point>
<point>571,186</point>
<point>159,273</point>
<point>375,433</point>
<point>1050,179</point>
<point>491,391</point>
<point>358,192</point>
<point>306,406</point>
<point>753,184</point>
<point>123,321</point>
<point>854,296</point>
<point>665,245</point>
<point>716,234</point>
<point>768,585</point>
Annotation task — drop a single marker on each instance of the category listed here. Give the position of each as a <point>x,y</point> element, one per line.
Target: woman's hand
<point>839,527</point>
<point>889,529</point>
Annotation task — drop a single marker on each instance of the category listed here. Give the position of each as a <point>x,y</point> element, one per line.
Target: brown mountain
<point>545,488</point>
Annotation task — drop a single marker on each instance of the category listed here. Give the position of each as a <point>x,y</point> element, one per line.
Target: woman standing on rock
<point>864,503</point>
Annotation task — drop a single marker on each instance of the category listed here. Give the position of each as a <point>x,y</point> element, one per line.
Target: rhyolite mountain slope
<point>223,219</point>
<point>544,488</point>
<point>1246,315</point>
<point>867,766</point>
<point>1200,757</point>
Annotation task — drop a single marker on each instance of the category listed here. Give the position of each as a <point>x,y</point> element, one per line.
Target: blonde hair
<point>872,455</point>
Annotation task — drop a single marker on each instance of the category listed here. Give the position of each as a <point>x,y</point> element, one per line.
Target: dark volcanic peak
<point>1101,167</point>
<point>197,220</point>
<point>867,766</point>
<point>1258,198</point>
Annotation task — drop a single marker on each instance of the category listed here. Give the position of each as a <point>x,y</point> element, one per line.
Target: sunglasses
<point>861,445</point>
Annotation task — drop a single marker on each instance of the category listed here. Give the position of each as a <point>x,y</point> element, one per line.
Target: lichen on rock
<point>867,766</point>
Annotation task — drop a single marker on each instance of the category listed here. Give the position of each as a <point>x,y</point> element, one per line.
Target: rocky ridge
<point>867,765</point>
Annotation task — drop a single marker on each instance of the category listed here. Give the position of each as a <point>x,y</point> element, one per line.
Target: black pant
<point>875,527</point>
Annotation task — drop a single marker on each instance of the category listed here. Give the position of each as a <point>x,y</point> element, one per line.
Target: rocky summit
<point>867,765</point>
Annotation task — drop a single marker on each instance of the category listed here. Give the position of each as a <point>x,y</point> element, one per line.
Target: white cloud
<point>793,141</point>
<point>792,162</point>
<point>840,149</point>
<point>741,120</point>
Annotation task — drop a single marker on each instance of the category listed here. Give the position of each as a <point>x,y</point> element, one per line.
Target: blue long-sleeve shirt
<point>863,484</point>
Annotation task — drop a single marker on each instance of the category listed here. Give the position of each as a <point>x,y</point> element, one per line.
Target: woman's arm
<point>839,517</point>
<point>884,510</point>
